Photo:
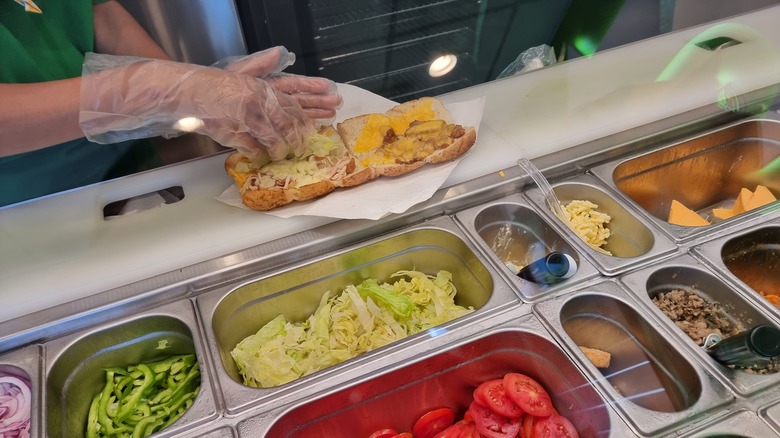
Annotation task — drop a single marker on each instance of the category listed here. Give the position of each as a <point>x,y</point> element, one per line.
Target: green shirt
<point>46,47</point>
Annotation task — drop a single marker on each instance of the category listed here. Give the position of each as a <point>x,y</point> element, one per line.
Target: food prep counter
<point>196,277</point>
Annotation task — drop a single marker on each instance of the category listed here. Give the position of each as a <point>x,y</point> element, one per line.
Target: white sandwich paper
<point>382,196</point>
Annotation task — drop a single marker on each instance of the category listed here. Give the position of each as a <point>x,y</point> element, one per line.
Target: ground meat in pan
<point>695,316</point>
<point>698,318</point>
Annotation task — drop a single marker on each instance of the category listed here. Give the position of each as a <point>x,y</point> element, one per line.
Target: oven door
<point>388,47</point>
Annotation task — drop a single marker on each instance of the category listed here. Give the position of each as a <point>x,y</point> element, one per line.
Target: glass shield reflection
<point>713,47</point>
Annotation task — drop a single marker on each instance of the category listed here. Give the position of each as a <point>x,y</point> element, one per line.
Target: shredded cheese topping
<point>587,222</point>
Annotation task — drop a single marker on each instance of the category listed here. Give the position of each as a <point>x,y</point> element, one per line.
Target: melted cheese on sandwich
<point>419,141</point>
<point>373,134</point>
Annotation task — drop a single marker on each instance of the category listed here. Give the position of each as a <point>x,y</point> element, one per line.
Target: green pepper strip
<point>138,431</point>
<point>142,410</point>
<point>135,397</point>
<point>123,387</point>
<point>92,421</point>
<point>105,397</point>
<point>167,364</point>
<point>172,404</point>
<point>161,396</point>
<point>193,374</point>
<point>111,407</point>
<point>177,407</point>
<point>130,391</point>
<point>117,371</point>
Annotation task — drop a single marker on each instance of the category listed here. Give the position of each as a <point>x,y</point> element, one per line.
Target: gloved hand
<point>318,97</point>
<point>128,97</point>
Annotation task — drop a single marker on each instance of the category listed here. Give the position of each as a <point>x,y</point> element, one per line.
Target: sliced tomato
<point>554,426</point>
<point>528,394</point>
<point>467,416</point>
<point>433,422</point>
<point>527,429</point>
<point>491,395</point>
<point>461,429</point>
<point>404,435</point>
<point>492,425</point>
<point>384,433</point>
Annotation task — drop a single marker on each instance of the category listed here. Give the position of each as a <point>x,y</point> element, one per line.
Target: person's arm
<point>118,33</point>
<point>38,115</point>
<point>34,116</point>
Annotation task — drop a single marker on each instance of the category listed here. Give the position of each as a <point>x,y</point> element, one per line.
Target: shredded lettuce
<point>399,304</point>
<point>321,145</point>
<point>359,319</point>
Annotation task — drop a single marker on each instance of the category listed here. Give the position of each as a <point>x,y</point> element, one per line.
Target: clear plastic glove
<point>318,97</point>
<point>128,97</point>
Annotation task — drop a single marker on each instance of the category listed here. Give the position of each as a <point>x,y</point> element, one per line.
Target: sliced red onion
<point>15,397</point>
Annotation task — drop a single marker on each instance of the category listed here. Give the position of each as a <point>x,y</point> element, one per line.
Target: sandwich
<point>355,151</point>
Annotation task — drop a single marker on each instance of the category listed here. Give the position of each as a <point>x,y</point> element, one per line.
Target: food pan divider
<point>516,319</point>
<point>27,360</point>
<point>528,291</point>
<point>709,254</point>
<point>117,346</point>
<point>680,234</point>
<point>739,423</point>
<point>771,414</point>
<point>637,235</point>
<point>745,384</point>
<point>713,397</point>
<point>224,431</point>
<point>349,262</point>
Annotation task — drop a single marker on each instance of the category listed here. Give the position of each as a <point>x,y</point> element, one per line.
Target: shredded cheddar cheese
<point>587,222</point>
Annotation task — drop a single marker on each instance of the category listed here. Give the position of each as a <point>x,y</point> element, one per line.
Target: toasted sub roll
<point>357,150</point>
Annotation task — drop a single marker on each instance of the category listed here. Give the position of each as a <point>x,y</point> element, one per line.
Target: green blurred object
<point>768,176</point>
<point>584,26</point>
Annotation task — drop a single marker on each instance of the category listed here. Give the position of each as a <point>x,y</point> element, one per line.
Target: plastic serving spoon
<point>549,194</point>
<point>550,198</point>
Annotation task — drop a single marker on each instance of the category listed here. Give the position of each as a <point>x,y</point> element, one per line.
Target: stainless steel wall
<point>196,31</point>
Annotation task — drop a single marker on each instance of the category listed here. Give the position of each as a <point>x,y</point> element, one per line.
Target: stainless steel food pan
<point>75,363</point>
<point>509,230</point>
<point>633,240</point>
<point>233,312</point>
<point>739,424</point>
<point>447,376</point>
<point>772,414</point>
<point>653,382</point>
<point>26,362</point>
<point>749,260</point>
<point>222,432</point>
<point>702,172</point>
<point>685,273</point>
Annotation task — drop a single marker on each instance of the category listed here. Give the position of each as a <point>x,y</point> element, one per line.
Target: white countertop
<point>59,249</point>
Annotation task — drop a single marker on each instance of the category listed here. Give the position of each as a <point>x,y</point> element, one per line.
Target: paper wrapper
<point>382,196</point>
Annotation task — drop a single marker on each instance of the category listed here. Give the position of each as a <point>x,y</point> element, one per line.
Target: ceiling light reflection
<point>442,65</point>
